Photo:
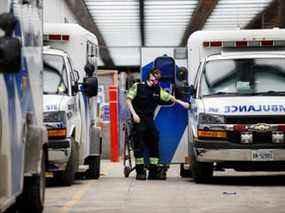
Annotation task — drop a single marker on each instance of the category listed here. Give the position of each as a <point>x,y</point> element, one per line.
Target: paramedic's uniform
<point>145,99</point>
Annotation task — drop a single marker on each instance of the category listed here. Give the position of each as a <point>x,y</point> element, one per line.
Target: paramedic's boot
<point>141,174</point>
<point>152,172</point>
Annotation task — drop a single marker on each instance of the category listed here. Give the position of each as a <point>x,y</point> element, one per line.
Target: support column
<point>114,126</point>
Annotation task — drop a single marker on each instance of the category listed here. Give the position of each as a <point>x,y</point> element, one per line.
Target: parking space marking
<point>76,198</point>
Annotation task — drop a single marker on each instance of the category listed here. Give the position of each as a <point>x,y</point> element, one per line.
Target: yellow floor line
<point>76,198</point>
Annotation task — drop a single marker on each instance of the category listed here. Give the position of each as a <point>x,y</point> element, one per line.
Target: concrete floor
<point>229,192</point>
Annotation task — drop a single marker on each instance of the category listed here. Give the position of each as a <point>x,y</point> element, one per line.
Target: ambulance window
<point>55,75</point>
<point>91,52</point>
<point>249,76</point>
<point>71,69</point>
<point>96,51</point>
<point>197,77</point>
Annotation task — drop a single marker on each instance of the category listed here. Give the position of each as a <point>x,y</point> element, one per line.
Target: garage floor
<point>229,192</point>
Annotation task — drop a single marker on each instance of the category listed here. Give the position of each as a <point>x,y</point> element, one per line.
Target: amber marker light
<point>211,134</point>
<point>57,133</point>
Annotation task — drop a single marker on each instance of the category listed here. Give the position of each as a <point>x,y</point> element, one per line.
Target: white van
<point>69,112</point>
<point>23,138</point>
<point>238,105</point>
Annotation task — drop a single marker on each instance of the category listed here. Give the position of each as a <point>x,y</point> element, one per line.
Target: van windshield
<point>258,76</point>
<point>55,76</point>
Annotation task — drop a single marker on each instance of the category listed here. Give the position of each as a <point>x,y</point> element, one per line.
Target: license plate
<point>262,155</point>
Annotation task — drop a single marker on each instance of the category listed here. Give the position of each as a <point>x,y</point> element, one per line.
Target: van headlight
<point>205,118</point>
<point>58,116</point>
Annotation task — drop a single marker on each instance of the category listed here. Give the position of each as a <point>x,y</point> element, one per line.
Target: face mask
<point>154,80</point>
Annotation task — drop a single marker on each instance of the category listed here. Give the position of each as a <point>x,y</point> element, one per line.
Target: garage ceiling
<point>128,25</point>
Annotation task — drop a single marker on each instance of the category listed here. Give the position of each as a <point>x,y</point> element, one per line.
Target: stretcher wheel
<point>185,172</point>
<point>127,171</point>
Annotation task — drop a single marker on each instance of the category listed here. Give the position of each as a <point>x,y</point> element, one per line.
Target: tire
<point>202,172</point>
<point>33,196</point>
<point>67,177</point>
<point>184,173</point>
<point>94,167</point>
<point>11,209</point>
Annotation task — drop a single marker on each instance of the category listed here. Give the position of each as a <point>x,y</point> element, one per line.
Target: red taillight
<point>244,43</point>
<point>54,37</point>
<point>281,128</point>
<point>65,37</point>
<point>216,43</point>
<point>240,128</point>
<point>240,44</point>
<point>206,44</point>
<point>266,43</point>
<point>58,37</point>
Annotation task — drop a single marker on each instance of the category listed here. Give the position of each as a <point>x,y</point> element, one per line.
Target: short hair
<point>155,72</point>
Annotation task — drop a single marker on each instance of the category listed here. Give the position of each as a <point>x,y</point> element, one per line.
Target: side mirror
<point>182,74</point>
<point>89,69</point>
<point>75,88</point>
<point>76,75</point>
<point>90,86</point>
<point>10,48</point>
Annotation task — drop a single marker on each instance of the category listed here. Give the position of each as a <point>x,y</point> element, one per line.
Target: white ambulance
<point>237,120</point>
<point>23,138</point>
<point>70,102</point>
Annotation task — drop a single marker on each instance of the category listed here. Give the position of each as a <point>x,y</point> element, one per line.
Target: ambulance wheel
<point>184,173</point>
<point>68,175</point>
<point>201,171</point>
<point>94,167</point>
<point>127,171</point>
<point>33,196</point>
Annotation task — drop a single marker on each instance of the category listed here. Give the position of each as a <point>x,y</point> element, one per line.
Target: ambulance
<point>70,102</point>
<point>237,82</point>
<point>23,138</point>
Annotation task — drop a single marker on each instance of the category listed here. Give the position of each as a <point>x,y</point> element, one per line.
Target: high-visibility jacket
<point>146,98</point>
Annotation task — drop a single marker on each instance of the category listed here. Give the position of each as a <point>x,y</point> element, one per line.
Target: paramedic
<point>142,100</point>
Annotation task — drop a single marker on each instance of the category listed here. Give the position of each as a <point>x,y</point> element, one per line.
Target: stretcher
<point>171,120</point>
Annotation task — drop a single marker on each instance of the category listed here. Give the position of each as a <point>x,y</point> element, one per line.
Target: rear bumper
<point>58,154</point>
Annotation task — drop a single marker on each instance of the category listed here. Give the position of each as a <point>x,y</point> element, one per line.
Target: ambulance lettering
<point>254,108</point>
<point>51,108</point>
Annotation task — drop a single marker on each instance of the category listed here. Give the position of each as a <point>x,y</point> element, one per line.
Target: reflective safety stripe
<point>2,33</point>
<point>132,92</point>
<point>153,161</point>
<point>164,96</point>
<point>139,161</point>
